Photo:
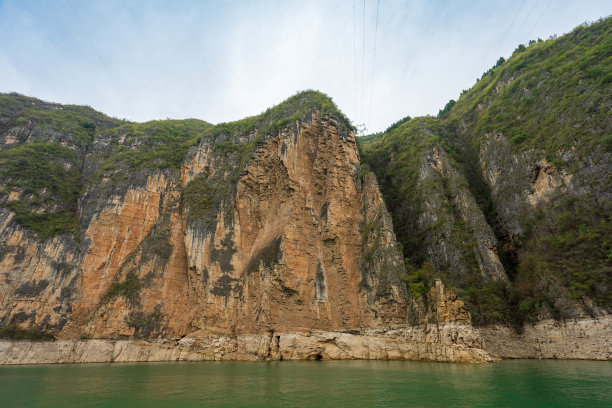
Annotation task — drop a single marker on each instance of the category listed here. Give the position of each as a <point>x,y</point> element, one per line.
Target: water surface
<point>520,383</point>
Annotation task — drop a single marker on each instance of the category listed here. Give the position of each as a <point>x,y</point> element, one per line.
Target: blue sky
<point>224,60</point>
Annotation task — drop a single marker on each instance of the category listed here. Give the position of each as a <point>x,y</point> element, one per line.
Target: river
<point>518,383</point>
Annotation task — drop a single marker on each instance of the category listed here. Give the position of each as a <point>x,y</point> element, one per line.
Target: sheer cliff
<point>113,229</point>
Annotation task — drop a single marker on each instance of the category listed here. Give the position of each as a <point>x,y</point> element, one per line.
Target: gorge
<point>477,235</point>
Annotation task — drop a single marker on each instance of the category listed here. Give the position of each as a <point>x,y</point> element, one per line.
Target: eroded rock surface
<point>285,251</point>
<point>294,238</point>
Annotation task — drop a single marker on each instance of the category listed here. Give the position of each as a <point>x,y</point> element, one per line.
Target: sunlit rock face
<point>289,253</point>
<point>283,233</point>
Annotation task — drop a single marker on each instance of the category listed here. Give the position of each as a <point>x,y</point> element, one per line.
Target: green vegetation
<point>145,324</point>
<point>285,114</point>
<point>370,238</point>
<point>40,166</point>
<point>79,122</point>
<point>444,112</point>
<point>15,332</point>
<point>205,195</point>
<point>366,140</point>
<point>129,289</point>
<point>299,107</point>
<point>487,301</point>
<point>397,124</point>
<point>47,177</point>
<point>552,96</point>
<point>44,165</point>
<point>547,95</point>
<point>419,280</point>
<point>45,225</point>
<point>572,260</point>
<point>398,178</point>
<point>48,174</point>
<point>405,196</point>
<point>159,144</point>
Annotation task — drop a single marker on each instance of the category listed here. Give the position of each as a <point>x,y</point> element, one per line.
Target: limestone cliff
<point>458,229</point>
<point>270,228</point>
<point>284,251</point>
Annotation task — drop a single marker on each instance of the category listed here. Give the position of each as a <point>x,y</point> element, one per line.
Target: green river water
<point>519,383</point>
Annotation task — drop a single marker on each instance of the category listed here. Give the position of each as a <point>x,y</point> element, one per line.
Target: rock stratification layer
<point>287,249</point>
<point>277,231</point>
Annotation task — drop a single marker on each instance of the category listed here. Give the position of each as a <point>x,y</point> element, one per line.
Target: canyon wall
<point>286,249</point>
<point>446,342</point>
<point>253,234</point>
<point>479,234</point>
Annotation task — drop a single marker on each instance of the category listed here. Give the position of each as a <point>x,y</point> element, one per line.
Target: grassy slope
<point>44,163</point>
<point>297,107</point>
<point>52,141</point>
<point>551,96</point>
<point>158,144</point>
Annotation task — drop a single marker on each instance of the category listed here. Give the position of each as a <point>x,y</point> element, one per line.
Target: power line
<point>501,43</point>
<point>355,54</point>
<point>540,17</point>
<point>511,24</point>
<point>518,32</point>
<point>373,63</point>
<point>363,59</point>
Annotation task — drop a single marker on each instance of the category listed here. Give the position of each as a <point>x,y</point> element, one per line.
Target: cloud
<point>221,61</point>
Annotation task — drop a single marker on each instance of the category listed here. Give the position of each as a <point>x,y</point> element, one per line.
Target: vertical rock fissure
<point>319,289</point>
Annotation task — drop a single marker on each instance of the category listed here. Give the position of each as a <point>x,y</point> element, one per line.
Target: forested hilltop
<point>506,194</point>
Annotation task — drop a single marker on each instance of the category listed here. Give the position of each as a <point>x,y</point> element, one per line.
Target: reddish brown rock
<point>291,258</point>
<point>299,240</point>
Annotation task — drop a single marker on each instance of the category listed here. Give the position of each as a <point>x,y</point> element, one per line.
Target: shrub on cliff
<point>15,332</point>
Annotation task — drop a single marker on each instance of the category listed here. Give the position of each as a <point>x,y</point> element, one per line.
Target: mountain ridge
<point>284,222</point>
<point>496,135</point>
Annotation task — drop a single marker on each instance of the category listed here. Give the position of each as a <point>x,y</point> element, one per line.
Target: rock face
<point>585,338</point>
<point>272,246</point>
<point>37,279</point>
<point>447,308</point>
<point>281,254</point>
<point>447,344</point>
<point>266,238</point>
<point>505,196</point>
<point>278,232</point>
<point>536,204</point>
<point>448,204</point>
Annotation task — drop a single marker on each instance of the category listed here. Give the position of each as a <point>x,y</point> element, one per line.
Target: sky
<point>224,60</point>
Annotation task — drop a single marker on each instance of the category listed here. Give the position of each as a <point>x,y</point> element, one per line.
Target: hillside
<point>506,194</point>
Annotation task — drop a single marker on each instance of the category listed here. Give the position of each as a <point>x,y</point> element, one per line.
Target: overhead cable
<point>373,64</point>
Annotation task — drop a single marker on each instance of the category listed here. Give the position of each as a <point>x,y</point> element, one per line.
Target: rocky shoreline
<point>576,339</point>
